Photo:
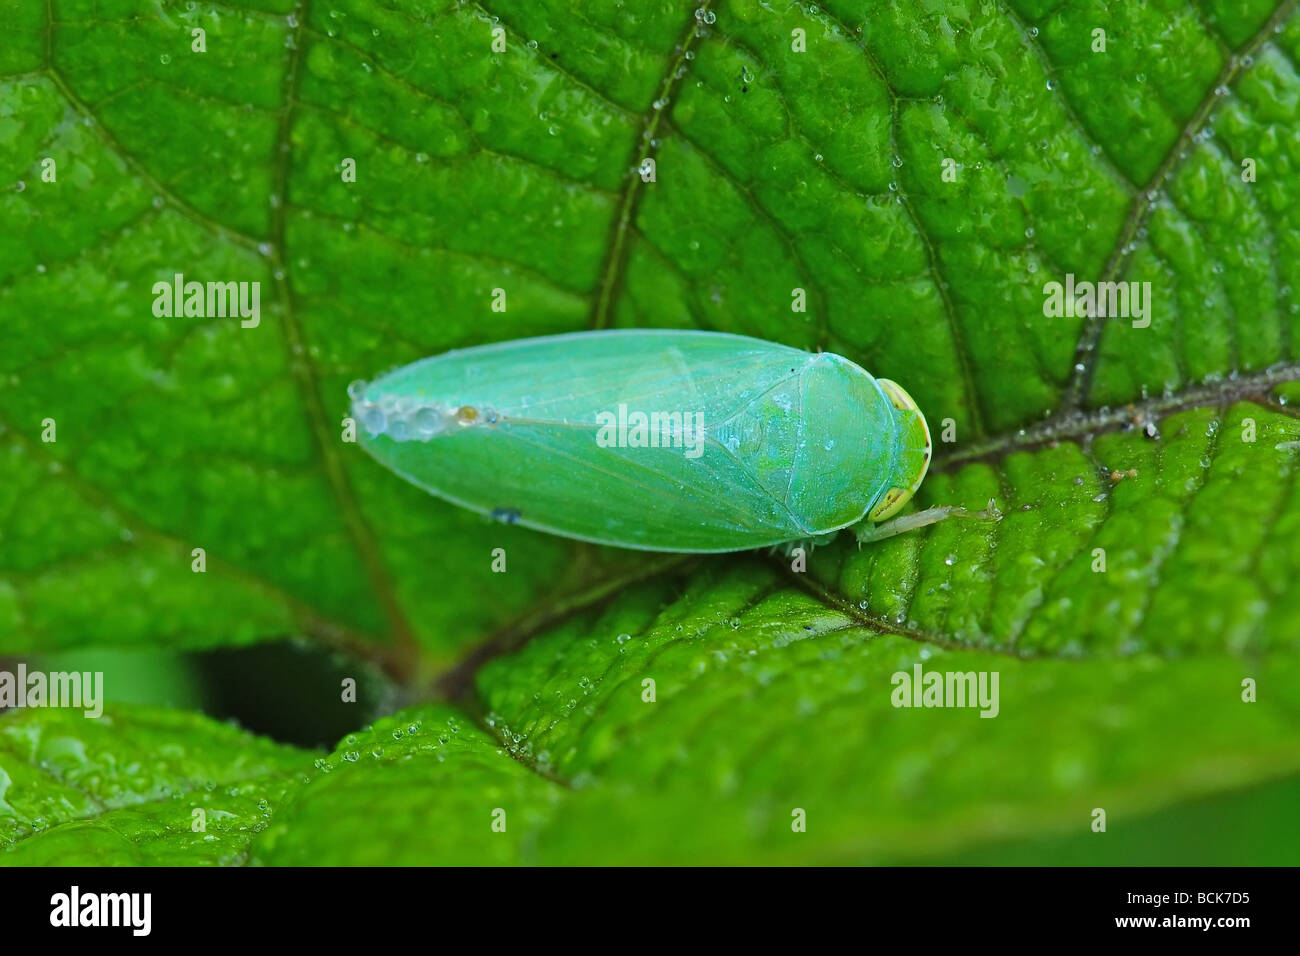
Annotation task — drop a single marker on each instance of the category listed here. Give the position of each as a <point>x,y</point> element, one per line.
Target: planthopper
<point>660,440</point>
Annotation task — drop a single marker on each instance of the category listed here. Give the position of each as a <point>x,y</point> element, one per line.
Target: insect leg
<point>787,548</point>
<point>868,531</point>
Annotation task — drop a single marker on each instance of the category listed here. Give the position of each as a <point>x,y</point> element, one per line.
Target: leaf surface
<point>1164,453</point>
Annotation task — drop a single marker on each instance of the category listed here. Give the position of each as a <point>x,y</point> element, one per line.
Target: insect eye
<point>890,504</point>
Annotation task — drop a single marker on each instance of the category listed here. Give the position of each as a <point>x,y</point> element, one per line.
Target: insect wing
<point>547,428</point>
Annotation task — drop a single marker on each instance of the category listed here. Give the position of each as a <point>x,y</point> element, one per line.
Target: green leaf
<point>127,788</point>
<point>1165,451</point>
<point>768,702</point>
<point>431,785</point>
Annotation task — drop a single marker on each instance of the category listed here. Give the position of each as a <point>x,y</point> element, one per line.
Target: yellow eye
<point>897,394</point>
<point>891,504</point>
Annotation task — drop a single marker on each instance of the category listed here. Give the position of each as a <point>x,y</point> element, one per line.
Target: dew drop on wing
<point>427,423</point>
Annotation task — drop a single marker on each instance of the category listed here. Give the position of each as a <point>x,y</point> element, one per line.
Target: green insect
<point>660,440</point>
